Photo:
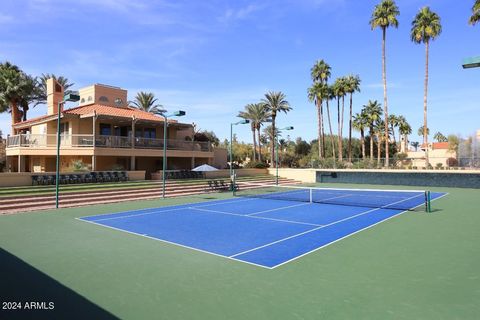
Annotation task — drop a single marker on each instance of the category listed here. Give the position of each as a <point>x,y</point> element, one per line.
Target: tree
<point>320,73</point>
<point>204,136</point>
<point>453,143</point>
<point>256,113</point>
<point>425,28</point>
<point>385,15</point>
<point>339,92</point>
<point>360,122</point>
<point>373,113</point>
<point>64,82</point>
<point>439,137</point>
<point>16,90</point>
<point>475,17</point>
<point>275,102</point>
<point>393,123</point>
<point>352,85</point>
<point>404,129</point>
<point>378,128</point>
<point>421,131</point>
<point>146,101</point>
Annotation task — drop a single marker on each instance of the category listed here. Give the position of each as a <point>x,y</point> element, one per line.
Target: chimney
<point>54,95</point>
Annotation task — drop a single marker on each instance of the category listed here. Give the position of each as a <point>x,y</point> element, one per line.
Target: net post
<point>232,182</point>
<point>428,207</point>
<point>311,195</point>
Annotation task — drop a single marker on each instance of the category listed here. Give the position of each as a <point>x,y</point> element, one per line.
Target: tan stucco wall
<point>303,175</point>
<point>96,91</point>
<point>219,158</point>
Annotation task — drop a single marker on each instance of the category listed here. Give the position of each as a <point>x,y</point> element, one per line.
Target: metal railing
<point>103,141</point>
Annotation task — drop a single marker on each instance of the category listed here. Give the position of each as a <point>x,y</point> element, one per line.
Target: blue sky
<point>213,57</point>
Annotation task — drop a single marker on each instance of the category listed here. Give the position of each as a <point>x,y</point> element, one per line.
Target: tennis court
<point>268,226</point>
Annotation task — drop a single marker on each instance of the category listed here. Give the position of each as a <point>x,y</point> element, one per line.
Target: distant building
<point>3,157</point>
<point>104,133</point>
<point>438,152</point>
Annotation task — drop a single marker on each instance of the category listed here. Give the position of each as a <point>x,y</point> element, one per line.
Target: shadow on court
<point>22,283</point>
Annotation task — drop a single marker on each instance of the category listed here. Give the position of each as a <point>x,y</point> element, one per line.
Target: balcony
<point>39,141</point>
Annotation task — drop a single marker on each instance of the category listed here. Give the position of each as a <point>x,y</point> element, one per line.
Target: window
<point>64,128</point>
<point>149,133</point>
<point>82,100</point>
<point>89,98</point>
<point>118,101</point>
<point>103,99</point>
<point>105,129</point>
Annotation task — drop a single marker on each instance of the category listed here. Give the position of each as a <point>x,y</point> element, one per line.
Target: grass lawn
<point>415,266</point>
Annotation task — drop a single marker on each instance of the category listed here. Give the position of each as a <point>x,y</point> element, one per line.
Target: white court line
<point>159,210</point>
<point>276,209</point>
<point>173,243</point>
<point>318,228</point>
<point>255,217</point>
<point>351,234</point>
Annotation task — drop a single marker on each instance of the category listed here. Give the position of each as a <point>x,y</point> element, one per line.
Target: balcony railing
<point>102,141</point>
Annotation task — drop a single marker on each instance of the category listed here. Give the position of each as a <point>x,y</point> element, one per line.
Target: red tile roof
<point>127,112</point>
<point>438,145</point>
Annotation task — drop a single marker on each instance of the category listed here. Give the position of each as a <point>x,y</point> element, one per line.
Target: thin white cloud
<point>5,18</point>
<point>241,13</point>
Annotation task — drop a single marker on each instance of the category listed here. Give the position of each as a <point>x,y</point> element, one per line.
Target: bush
<point>452,162</point>
<point>256,165</point>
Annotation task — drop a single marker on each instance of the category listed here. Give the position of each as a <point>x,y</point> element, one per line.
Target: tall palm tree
<point>339,92</point>
<point>475,13</point>
<point>146,101</point>
<point>425,28</point>
<point>384,16</point>
<point>329,93</point>
<point>360,122</point>
<point>373,113</point>
<point>352,85</point>
<point>378,128</point>
<point>320,73</point>
<point>275,102</point>
<point>256,113</point>
<point>15,90</point>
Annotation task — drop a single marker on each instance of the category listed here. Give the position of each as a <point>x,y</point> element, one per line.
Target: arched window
<point>82,100</point>
<point>103,99</point>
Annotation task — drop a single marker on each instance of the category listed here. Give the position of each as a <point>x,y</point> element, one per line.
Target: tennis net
<point>370,198</point>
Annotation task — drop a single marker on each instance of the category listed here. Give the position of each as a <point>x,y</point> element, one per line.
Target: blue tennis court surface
<point>260,231</point>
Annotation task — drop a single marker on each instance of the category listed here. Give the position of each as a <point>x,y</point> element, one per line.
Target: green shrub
<point>256,165</point>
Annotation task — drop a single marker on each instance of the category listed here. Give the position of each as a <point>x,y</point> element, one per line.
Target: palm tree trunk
<point>319,114</point>
<point>385,105</point>
<point>272,143</point>
<point>339,131</point>
<point>362,140</point>
<point>254,144</point>
<point>331,132</point>
<point>371,143</point>
<point>425,128</point>
<point>379,148</point>
<point>16,116</point>
<point>323,133</point>
<point>350,130</point>
<point>340,147</point>
<point>259,145</point>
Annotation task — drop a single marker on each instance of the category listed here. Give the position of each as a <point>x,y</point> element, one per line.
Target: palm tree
<point>393,123</point>
<point>379,127</point>
<point>275,102</point>
<point>360,122</point>
<point>64,82</point>
<point>329,93</point>
<point>421,131</point>
<point>373,113</point>
<point>475,13</point>
<point>339,92</point>
<point>352,85</point>
<point>15,90</point>
<point>320,73</point>
<point>404,129</point>
<point>385,15</point>
<point>415,144</point>
<point>146,101</point>
<point>256,113</point>
<point>440,137</point>
<point>425,28</point>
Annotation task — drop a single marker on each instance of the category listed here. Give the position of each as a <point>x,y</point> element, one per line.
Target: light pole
<point>73,97</point>
<point>178,113</point>
<point>276,150</point>
<point>244,121</point>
